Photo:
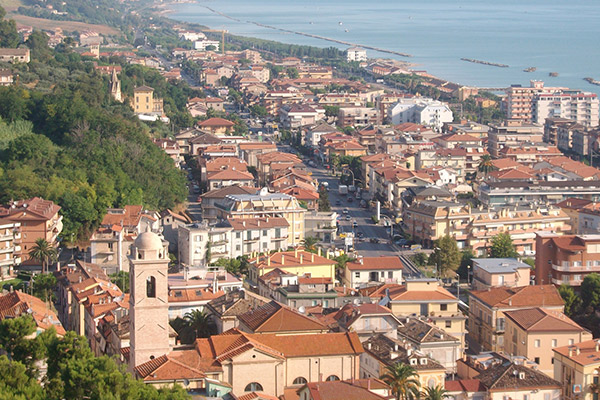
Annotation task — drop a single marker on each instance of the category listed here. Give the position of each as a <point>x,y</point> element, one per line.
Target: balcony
<point>9,249</point>
<point>280,237</point>
<point>571,282</point>
<point>583,268</point>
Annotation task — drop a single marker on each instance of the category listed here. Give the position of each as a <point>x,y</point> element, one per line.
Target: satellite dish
<point>302,309</point>
<point>356,301</point>
<point>186,382</point>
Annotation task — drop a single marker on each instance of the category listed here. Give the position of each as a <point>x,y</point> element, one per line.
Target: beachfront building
<point>356,54</point>
<point>580,107</point>
<point>423,111</point>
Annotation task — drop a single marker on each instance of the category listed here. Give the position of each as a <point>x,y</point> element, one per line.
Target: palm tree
<point>199,322</point>
<point>434,393</point>
<point>485,164</point>
<point>309,243</point>
<point>403,380</point>
<point>43,252</point>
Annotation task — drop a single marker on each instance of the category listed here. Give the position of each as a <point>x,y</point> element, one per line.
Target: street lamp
<point>458,287</point>
<point>352,172</point>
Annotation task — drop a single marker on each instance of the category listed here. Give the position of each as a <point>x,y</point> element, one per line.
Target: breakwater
<point>492,64</point>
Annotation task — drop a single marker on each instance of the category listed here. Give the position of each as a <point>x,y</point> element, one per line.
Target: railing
<point>7,249</point>
<point>583,268</point>
<point>570,282</point>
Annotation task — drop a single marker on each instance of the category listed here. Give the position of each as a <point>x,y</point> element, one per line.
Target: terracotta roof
<point>399,293</point>
<point>257,396</point>
<point>193,295</point>
<point>588,355</point>
<point>169,368</point>
<point>230,174</point>
<point>286,259</point>
<point>222,192</point>
<point>525,296</point>
<point>17,304</point>
<point>128,216</point>
<point>215,122</point>
<point>30,209</point>
<point>257,146</point>
<point>235,303</point>
<point>540,320</point>
<point>370,263</point>
<point>300,193</point>
<point>275,317</point>
<point>422,332</point>
<point>347,390</point>
<point>465,385</point>
<point>383,348</point>
<point>516,378</point>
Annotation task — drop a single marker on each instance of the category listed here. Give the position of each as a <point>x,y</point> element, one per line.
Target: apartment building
<point>519,99</point>
<point>580,107</point>
<point>257,235</point>
<point>367,271</point>
<point>428,221</point>
<point>265,204</point>
<point>566,259</point>
<point>424,111</point>
<point>531,332</point>
<point>357,116</point>
<point>201,244</point>
<point>38,219</point>
<point>298,291</point>
<point>144,102</point>
<point>487,322</point>
<point>513,133</point>
<point>10,246</point>
<point>494,272</point>
<point>356,54</point>
<point>21,55</point>
<point>576,366</point>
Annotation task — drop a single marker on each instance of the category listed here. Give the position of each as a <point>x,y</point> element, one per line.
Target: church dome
<point>148,241</point>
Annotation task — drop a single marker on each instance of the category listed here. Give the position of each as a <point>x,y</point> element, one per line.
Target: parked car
<point>374,240</point>
<point>338,202</point>
<point>348,217</point>
<point>350,199</point>
<point>345,211</point>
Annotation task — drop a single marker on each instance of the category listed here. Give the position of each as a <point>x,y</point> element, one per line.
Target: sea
<point>552,35</point>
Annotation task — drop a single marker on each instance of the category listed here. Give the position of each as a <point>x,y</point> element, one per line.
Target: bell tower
<point>148,301</point>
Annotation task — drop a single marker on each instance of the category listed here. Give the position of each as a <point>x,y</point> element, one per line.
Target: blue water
<point>552,35</point>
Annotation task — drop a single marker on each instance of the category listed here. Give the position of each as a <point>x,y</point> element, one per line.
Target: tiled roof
<point>143,89</point>
<point>257,396</point>
<point>399,293</point>
<point>525,296</point>
<point>275,317</point>
<point>193,295</point>
<point>34,208</point>
<point>384,348</point>
<point>169,368</point>
<point>584,353</point>
<point>230,174</point>
<point>421,332</point>
<point>17,304</point>
<point>215,122</point>
<point>300,193</point>
<point>371,263</point>
<point>515,378</point>
<point>287,259</point>
<point>465,385</point>
<point>540,320</point>
<point>346,390</point>
<point>235,303</point>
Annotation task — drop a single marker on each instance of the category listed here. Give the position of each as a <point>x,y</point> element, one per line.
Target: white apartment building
<point>257,235</point>
<point>204,43</point>
<point>10,250</point>
<point>356,54</point>
<point>199,240</point>
<point>580,107</point>
<point>423,111</point>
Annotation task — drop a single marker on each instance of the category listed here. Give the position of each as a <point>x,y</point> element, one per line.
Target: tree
<point>292,73</point>
<point>309,243</point>
<point>420,259</point>
<point>590,293</point>
<point>324,204</point>
<point>502,246</point>
<point>121,279</point>
<point>16,383</point>
<point>446,255</point>
<point>43,286</point>
<point>465,262</point>
<point>572,301</point>
<point>13,333</point>
<point>9,36</point>
<point>258,111</point>
<point>43,252</point>
<point>199,322</point>
<point>485,164</point>
<point>434,393</point>
<point>403,380</point>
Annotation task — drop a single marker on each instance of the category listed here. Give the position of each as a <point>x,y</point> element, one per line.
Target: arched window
<point>253,387</point>
<point>300,380</point>
<point>333,378</point>
<point>431,383</point>
<point>151,287</point>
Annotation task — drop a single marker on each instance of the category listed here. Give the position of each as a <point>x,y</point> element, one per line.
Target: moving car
<point>345,211</point>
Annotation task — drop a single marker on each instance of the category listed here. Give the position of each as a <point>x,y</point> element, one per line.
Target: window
<point>238,235</point>
<point>537,360</point>
<point>431,383</point>
<point>238,247</point>
<point>357,274</point>
<point>536,343</point>
<point>390,274</point>
<point>265,245</point>
<point>525,397</point>
<point>554,343</point>
<point>443,307</point>
<point>448,323</point>
<point>546,396</point>
<point>253,387</point>
<point>151,287</point>
<point>333,378</point>
<point>299,381</point>
<point>198,238</point>
<point>110,246</point>
<point>571,342</point>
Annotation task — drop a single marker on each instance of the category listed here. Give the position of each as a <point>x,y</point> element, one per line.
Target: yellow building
<point>487,322</point>
<point>424,297</point>
<point>577,367</point>
<point>144,102</point>
<point>297,262</point>
<point>264,205</point>
<point>532,331</point>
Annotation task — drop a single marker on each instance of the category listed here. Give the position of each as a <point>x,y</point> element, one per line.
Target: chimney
<point>369,345</point>
<point>510,302</point>
<point>395,346</point>
<point>283,259</point>
<point>223,309</point>
<point>319,251</point>
<point>296,252</point>
<point>577,350</point>
<point>269,261</point>
<point>597,341</point>
<point>301,258</point>
<point>570,352</point>
<point>244,224</point>
<point>312,257</point>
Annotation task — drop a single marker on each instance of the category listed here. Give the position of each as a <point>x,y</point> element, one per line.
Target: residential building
<point>226,308</point>
<point>298,292</point>
<point>373,271</point>
<point>285,360</point>
<point>356,54</point>
<point>531,332</point>
<point>494,272</point>
<point>513,133</point>
<point>216,126</point>
<point>200,244</point>
<point>110,243</point>
<point>210,211</point>
<point>6,77</point>
<point>566,259</point>
<point>170,222</point>
<point>519,99</point>
<point>467,127</point>
<point>576,366</point>
<point>357,389</point>
<point>487,323</point>
<point>21,55</point>
<point>357,116</point>
<point>474,228</point>
<point>257,235</point>
<point>424,297</point>
<point>265,204</point>
<point>581,107</point>
<point>10,246</point>
<point>365,319</point>
<point>381,352</point>
<point>465,389</point>
<point>278,319</point>
<point>514,381</point>
<point>450,158</point>
<point>297,262</point>
<point>38,219</point>
<point>16,304</point>
<point>229,177</point>
<point>321,225</point>
<point>295,116</point>
<point>249,152</point>
<point>424,111</point>
<point>431,340</point>
<point>314,133</point>
<point>144,102</point>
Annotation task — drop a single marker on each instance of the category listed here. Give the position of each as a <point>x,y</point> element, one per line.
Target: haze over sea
<point>552,35</point>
